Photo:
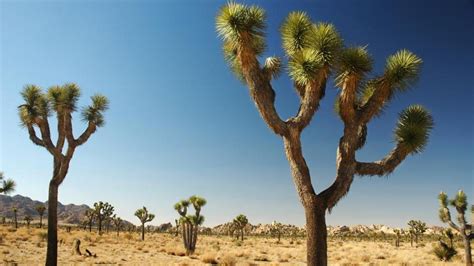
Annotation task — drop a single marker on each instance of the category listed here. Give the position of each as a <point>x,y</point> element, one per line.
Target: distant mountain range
<point>67,214</point>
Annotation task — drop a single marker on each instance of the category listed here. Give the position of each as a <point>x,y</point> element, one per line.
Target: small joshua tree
<point>117,223</point>
<point>176,221</point>
<point>240,222</point>
<point>144,217</point>
<point>7,186</point>
<point>40,208</point>
<point>315,51</point>
<point>444,251</point>
<point>15,210</point>
<point>90,216</point>
<point>28,221</point>
<point>397,237</point>
<point>102,210</point>
<point>276,229</point>
<point>34,114</point>
<point>190,223</point>
<point>417,228</point>
<point>465,229</point>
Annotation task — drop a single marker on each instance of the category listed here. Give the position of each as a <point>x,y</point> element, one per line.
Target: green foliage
<point>354,61</point>
<point>144,216</point>
<point>413,128</point>
<point>64,97</point>
<point>40,208</point>
<point>36,105</point>
<point>182,208</point>
<point>296,33</point>
<point>304,66</point>
<point>239,24</point>
<point>272,67</point>
<point>7,185</point>
<point>417,227</point>
<point>402,69</point>
<point>443,251</point>
<point>241,221</point>
<point>94,112</point>
<point>327,42</point>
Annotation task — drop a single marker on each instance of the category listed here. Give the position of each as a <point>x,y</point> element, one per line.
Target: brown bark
<point>143,231</point>
<point>316,243</point>
<point>52,250</point>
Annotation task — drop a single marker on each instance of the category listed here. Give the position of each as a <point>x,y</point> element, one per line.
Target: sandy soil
<point>28,247</point>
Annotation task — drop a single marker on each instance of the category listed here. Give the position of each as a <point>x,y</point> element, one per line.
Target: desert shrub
<point>261,258</point>
<point>128,236</point>
<point>228,260</point>
<point>444,252</point>
<point>209,258</point>
<point>43,235</point>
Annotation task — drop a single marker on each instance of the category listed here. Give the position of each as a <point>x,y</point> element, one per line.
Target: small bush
<point>444,252</point>
<point>228,260</point>
<point>209,258</point>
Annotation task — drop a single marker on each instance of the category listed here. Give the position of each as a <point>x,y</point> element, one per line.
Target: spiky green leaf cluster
<point>402,70</point>
<point>241,221</point>
<point>304,66</point>
<point>272,67</point>
<point>7,185</point>
<point>94,112</point>
<point>355,61</point>
<point>182,208</point>
<point>459,201</point>
<point>242,25</point>
<point>36,105</point>
<point>327,42</point>
<point>144,216</point>
<point>296,32</point>
<point>444,214</point>
<point>413,128</point>
<point>64,97</point>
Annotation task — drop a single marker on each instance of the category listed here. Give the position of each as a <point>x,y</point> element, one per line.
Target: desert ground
<point>28,247</point>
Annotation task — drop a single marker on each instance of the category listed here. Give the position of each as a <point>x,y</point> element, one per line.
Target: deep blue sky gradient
<point>180,123</point>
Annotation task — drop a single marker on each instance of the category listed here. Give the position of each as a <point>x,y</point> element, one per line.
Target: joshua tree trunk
<point>41,221</point>
<point>52,250</point>
<point>316,236</point>
<point>16,221</point>
<point>143,231</point>
<point>242,234</point>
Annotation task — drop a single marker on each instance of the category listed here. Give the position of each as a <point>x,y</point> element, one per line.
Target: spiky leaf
<point>304,66</point>
<point>413,128</point>
<point>296,32</point>
<point>354,61</point>
<point>326,41</point>
<point>402,70</point>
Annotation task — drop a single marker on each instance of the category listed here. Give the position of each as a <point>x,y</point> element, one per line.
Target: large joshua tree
<point>144,216</point>
<point>315,51</point>
<point>464,228</point>
<point>34,114</point>
<point>190,223</point>
<point>7,186</point>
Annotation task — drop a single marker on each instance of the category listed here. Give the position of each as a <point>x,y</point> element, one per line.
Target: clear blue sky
<point>181,124</point>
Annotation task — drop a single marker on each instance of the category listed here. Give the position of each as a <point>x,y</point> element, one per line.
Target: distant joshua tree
<point>7,186</point>
<point>276,229</point>
<point>315,51</point>
<point>176,221</point>
<point>15,210</point>
<point>416,229</point>
<point>117,223</point>
<point>240,222</point>
<point>102,212</point>
<point>40,208</point>
<point>90,216</point>
<point>28,221</point>
<point>465,229</point>
<point>398,234</point>
<point>190,223</point>
<point>34,114</point>
<point>144,217</point>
